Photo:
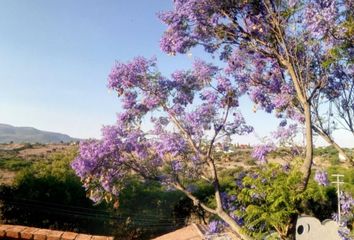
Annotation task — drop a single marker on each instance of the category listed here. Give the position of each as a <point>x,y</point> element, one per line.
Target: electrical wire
<point>124,212</point>
<point>92,215</point>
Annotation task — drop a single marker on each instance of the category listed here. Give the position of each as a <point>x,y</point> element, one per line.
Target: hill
<point>10,133</point>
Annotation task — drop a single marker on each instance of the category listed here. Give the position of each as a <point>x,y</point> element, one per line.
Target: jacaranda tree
<point>278,52</point>
<point>274,51</point>
<point>166,132</point>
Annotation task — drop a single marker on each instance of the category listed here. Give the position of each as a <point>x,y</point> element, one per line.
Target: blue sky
<point>55,57</point>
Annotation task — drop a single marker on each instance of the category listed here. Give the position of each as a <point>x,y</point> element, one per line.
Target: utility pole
<point>338,182</point>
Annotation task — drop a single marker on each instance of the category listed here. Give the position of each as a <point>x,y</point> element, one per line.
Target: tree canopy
<point>280,53</point>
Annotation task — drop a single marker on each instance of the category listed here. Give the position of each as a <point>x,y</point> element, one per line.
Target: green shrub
<point>11,161</point>
<point>270,200</point>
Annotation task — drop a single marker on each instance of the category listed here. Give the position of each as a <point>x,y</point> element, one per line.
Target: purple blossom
<point>176,165</point>
<point>321,177</point>
<point>239,179</point>
<point>170,143</point>
<point>215,226</point>
<point>200,119</point>
<point>224,84</point>
<point>281,101</point>
<point>90,152</point>
<point>203,71</point>
<point>286,167</point>
<point>283,123</point>
<point>335,217</point>
<point>129,99</point>
<point>295,115</point>
<point>209,96</point>
<point>123,76</point>
<point>346,203</point>
<point>344,233</point>
<point>260,152</point>
<point>237,125</point>
<point>228,201</point>
<point>320,16</point>
<point>285,133</point>
<point>151,101</point>
<point>178,120</point>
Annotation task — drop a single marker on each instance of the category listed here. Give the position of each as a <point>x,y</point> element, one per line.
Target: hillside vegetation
<point>40,180</point>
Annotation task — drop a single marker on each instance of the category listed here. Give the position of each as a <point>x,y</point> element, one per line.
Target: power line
<point>122,212</point>
<point>91,214</point>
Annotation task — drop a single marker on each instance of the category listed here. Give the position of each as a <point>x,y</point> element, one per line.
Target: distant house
<point>219,147</point>
<point>196,232</point>
<point>244,146</point>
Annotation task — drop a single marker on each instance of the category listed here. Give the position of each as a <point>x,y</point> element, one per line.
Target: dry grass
<point>7,177</point>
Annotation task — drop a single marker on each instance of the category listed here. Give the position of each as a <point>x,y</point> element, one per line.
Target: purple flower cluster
<point>200,119</point>
<point>321,16</point>
<point>228,202</point>
<point>346,203</point>
<point>176,118</point>
<point>170,144</point>
<point>344,233</point>
<point>260,152</point>
<point>215,226</point>
<point>134,73</point>
<point>228,28</point>
<point>230,205</point>
<point>203,71</point>
<point>285,134</point>
<point>237,125</point>
<point>181,35</point>
<point>321,177</point>
<point>209,96</point>
<point>177,166</point>
<point>239,179</point>
<point>347,207</point>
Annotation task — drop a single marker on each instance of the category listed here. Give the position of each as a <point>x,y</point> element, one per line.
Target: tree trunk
<point>306,166</point>
<point>233,225</point>
<point>219,206</point>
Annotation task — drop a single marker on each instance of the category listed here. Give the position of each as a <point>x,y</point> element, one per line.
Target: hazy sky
<point>55,57</point>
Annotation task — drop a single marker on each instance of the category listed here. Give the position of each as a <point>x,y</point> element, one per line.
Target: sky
<point>55,57</point>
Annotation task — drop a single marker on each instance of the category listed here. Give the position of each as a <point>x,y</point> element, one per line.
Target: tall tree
<point>275,50</point>
<point>189,113</point>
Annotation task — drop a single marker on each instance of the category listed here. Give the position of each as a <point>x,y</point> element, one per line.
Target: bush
<point>268,198</point>
<point>10,161</point>
<point>47,194</point>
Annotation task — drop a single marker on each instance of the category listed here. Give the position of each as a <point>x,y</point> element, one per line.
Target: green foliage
<point>348,179</point>
<point>272,200</point>
<point>270,196</point>
<point>269,201</point>
<point>56,165</point>
<point>14,164</point>
<point>11,161</point>
<point>148,210</point>
<point>327,153</point>
<point>48,194</point>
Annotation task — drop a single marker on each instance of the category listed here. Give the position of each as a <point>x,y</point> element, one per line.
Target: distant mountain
<point>10,133</point>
